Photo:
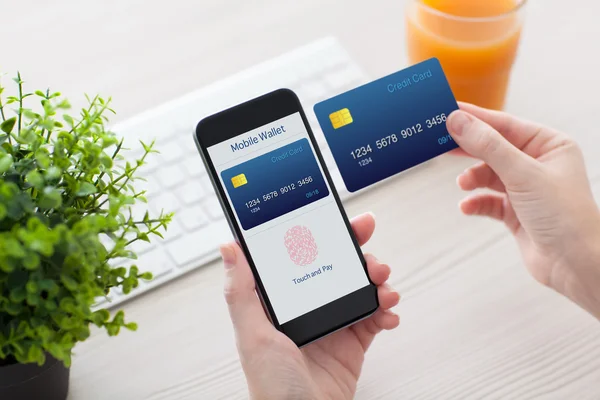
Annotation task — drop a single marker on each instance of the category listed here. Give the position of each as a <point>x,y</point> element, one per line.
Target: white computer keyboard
<point>176,178</point>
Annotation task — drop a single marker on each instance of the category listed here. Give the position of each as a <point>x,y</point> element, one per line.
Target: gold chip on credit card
<point>239,180</point>
<point>340,118</point>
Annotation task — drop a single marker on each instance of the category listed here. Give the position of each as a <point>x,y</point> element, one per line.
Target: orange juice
<point>475,40</point>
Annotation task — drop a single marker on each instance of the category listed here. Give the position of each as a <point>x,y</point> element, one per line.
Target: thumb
<point>482,141</point>
<point>245,308</point>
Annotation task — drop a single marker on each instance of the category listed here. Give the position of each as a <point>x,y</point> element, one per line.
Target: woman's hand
<point>540,190</point>
<point>274,366</point>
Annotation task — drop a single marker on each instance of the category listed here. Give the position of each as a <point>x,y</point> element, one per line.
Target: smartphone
<point>285,213</point>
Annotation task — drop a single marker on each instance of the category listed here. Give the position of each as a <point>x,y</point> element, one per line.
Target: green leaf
<point>30,114</point>
<point>18,294</point>
<point>132,326</point>
<point>8,265</point>
<point>36,354</point>
<point>49,286</point>
<point>85,189</point>
<point>56,351</point>
<point>13,308</point>
<point>32,287</point>
<point>35,179</point>
<point>33,299</point>
<point>31,261</point>
<point>8,125</point>
<point>14,248</point>
<point>42,156</point>
<point>147,276</point>
<point>51,198</point>
<point>53,172</point>
<point>112,329</point>
<point>65,105</point>
<point>106,161</point>
<point>5,163</point>
<point>69,120</point>
<point>69,282</point>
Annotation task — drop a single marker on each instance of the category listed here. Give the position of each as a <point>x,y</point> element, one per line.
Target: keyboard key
<point>174,230</point>
<point>213,208</point>
<point>170,176</point>
<point>150,185</point>
<point>166,202</point>
<point>193,166</point>
<point>138,210</point>
<point>186,141</point>
<point>336,55</point>
<point>344,77</point>
<point>117,291</point>
<point>156,261</point>
<point>313,91</point>
<point>191,192</point>
<point>192,217</point>
<point>152,162</point>
<point>310,67</point>
<point>207,185</point>
<point>183,134</point>
<point>170,151</point>
<point>141,246</point>
<point>199,244</point>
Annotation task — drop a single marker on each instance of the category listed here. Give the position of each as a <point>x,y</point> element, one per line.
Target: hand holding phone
<point>285,214</point>
<point>274,366</point>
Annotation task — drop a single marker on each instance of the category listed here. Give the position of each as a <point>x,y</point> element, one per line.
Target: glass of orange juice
<point>475,40</point>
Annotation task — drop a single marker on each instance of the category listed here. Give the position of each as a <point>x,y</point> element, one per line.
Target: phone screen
<point>289,219</point>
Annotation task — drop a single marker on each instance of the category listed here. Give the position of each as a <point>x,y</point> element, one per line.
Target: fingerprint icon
<point>301,245</point>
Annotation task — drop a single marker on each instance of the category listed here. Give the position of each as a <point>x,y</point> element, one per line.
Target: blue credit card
<point>387,126</point>
<point>274,183</point>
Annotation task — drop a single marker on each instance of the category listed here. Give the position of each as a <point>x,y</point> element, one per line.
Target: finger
<point>527,136</point>
<point>367,329</point>
<point>245,309</point>
<point>386,319</point>
<point>388,297</point>
<point>487,205</point>
<point>480,176</point>
<point>378,272</point>
<point>484,142</point>
<point>363,227</point>
<point>493,206</point>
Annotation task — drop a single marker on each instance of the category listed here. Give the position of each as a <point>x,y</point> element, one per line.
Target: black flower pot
<point>32,382</point>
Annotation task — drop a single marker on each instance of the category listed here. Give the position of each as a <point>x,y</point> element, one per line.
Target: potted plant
<point>66,227</point>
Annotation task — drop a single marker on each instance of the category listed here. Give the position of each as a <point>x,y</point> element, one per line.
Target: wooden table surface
<point>474,324</point>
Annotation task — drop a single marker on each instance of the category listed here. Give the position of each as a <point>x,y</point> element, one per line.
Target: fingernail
<point>228,255</point>
<point>371,213</point>
<point>458,122</point>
